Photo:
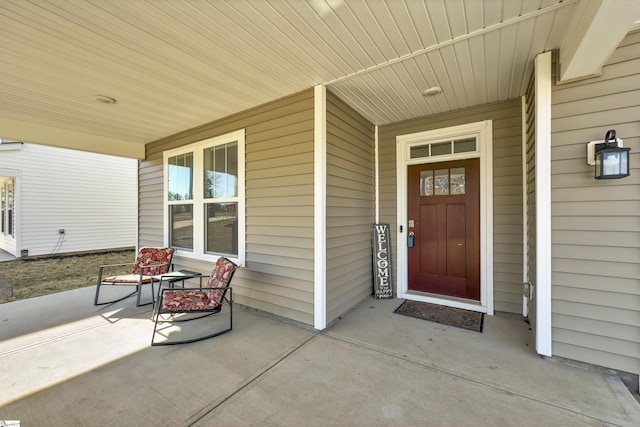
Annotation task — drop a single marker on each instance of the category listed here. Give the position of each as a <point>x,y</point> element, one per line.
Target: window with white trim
<point>204,198</point>
<point>7,196</point>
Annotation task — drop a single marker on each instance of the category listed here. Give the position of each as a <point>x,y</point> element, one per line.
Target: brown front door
<point>444,217</point>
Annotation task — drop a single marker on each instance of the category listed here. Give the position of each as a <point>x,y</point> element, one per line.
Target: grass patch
<point>43,276</point>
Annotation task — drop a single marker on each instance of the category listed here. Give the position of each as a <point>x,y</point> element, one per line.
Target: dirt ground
<point>42,276</point>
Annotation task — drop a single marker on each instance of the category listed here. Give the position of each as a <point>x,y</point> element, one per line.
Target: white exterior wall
<point>93,197</point>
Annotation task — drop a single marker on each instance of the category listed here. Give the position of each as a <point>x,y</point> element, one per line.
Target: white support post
<point>525,219</point>
<point>320,208</point>
<point>543,202</point>
<point>377,175</point>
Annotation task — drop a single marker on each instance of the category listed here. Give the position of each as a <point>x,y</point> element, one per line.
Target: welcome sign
<point>382,261</point>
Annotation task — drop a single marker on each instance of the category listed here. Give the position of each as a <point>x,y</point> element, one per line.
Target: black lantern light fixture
<point>612,160</point>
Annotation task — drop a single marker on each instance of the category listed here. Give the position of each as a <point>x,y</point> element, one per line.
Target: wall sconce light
<point>611,160</point>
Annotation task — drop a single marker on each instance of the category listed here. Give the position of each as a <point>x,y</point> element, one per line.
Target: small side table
<point>174,277</point>
<point>179,276</point>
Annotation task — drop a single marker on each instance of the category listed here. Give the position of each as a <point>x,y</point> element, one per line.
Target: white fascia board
<point>65,138</point>
<point>11,146</point>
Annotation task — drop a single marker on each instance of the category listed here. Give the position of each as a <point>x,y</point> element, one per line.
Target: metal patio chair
<point>186,304</point>
<point>149,265</point>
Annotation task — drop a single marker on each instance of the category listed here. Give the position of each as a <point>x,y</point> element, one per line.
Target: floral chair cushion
<point>186,300</point>
<point>219,278</point>
<point>127,278</point>
<point>201,300</point>
<point>158,257</point>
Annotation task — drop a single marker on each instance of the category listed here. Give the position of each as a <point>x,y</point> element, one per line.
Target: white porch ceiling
<point>176,64</point>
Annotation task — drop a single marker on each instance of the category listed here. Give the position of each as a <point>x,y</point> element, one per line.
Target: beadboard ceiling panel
<point>176,64</point>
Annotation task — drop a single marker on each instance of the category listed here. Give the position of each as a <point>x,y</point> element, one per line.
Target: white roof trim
<point>599,27</point>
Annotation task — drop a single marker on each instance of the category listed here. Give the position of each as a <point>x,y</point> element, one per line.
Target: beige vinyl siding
<point>350,207</point>
<point>507,210</point>
<point>150,201</point>
<point>507,176</point>
<point>279,145</point>
<point>595,225</point>
<point>531,193</point>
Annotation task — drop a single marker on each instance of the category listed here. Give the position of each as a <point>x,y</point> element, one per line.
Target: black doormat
<point>465,319</point>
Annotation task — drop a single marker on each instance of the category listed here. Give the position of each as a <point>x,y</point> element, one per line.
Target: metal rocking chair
<point>205,301</point>
<point>149,265</point>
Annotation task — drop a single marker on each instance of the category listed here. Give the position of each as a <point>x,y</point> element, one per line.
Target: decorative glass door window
<point>426,183</point>
<point>442,182</point>
<point>457,185</point>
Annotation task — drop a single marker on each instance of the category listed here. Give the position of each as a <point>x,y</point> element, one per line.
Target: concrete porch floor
<point>65,362</point>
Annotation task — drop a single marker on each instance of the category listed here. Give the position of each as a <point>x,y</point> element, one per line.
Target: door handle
<point>411,239</point>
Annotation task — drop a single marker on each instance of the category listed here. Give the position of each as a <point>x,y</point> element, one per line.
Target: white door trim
<point>483,131</point>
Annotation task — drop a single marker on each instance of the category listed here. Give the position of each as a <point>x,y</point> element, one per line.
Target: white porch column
<point>543,202</point>
<point>320,208</point>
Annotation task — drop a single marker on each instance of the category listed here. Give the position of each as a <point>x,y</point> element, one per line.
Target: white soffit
<point>172,66</point>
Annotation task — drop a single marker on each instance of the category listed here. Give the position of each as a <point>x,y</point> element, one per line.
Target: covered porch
<point>321,87</point>
<point>66,362</point>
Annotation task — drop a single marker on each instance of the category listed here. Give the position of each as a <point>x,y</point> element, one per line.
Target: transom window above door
<point>443,148</point>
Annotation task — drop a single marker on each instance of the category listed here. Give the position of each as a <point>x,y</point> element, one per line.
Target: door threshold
<point>449,301</point>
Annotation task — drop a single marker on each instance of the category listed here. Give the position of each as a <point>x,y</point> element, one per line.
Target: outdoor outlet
<point>61,231</point>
